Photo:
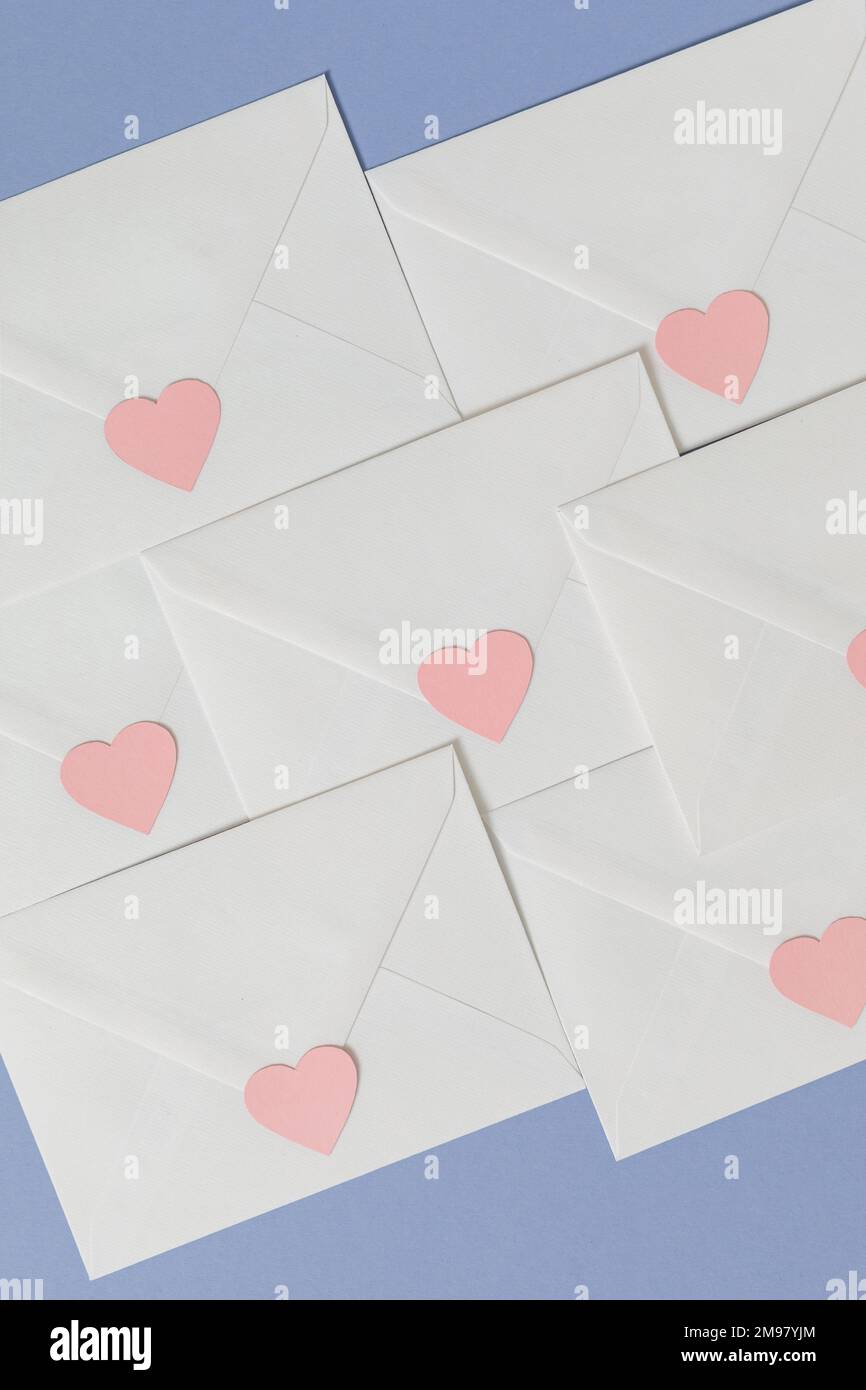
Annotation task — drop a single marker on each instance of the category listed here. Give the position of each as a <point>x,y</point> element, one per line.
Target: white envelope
<point>674,1023</point>
<point>489,226</point>
<point>168,262</point>
<point>281,613</point>
<point>129,1043</point>
<point>82,662</point>
<point>731,601</point>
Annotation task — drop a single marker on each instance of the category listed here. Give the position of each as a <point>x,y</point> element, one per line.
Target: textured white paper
<point>282,628</point>
<point>677,1025</point>
<point>81,662</point>
<point>161,264</point>
<point>732,545</point>
<point>489,225</point>
<point>129,1043</point>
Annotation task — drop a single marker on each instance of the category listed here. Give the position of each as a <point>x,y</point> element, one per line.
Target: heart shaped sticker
<point>126,780</point>
<point>826,976</point>
<point>169,438</point>
<point>856,658</point>
<point>309,1103</point>
<point>721,349</point>
<point>479,687</point>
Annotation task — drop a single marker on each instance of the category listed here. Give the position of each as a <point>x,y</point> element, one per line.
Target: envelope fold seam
<point>410,896</point>
<point>818,143</point>
<point>302,185</point>
<point>485,1013</point>
<point>347,342</point>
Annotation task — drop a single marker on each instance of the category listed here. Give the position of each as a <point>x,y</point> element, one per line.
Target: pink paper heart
<point>826,976</point>
<point>126,780</point>
<point>309,1103</point>
<point>168,438</point>
<point>482,687</point>
<point>856,657</point>
<point>721,349</point>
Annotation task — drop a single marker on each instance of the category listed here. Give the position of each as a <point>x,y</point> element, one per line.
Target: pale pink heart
<point>726,342</point>
<point>482,687</point>
<point>309,1103</point>
<point>856,657</point>
<point>126,780</point>
<point>168,438</point>
<point>826,976</point>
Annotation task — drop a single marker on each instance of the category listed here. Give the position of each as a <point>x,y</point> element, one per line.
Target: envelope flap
<point>249,947</point>
<point>670,1031</point>
<point>618,836</point>
<point>105,1113</point>
<point>335,268</point>
<point>358,566</point>
<point>746,521</point>
<point>666,223</point>
<point>752,723</point>
<point>834,187</point>
<point>143,266</point>
<point>730,595</point>
<point>621,837</point>
<point>461,934</point>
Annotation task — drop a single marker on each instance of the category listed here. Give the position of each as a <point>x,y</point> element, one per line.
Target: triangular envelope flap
<point>720,1039</point>
<point>145,264</point>
<point>752,723</point>
<point>746,521</point>
<point>277,925</point>
<point>146,1155</point>
<point>621,836</point>
<point>274,705</point>
<point>574,170</point>
<point>834,187</point>
<point>461,934</point>
<point>339,271</point>
<point>344,565</point>
<point>671,642</point>
<point>650,1009</point>
<point>290,723</point>
<point>649,441</point>
<point>796,739</point>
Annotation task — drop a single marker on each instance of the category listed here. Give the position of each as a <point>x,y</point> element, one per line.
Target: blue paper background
<point>537,1206</point>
